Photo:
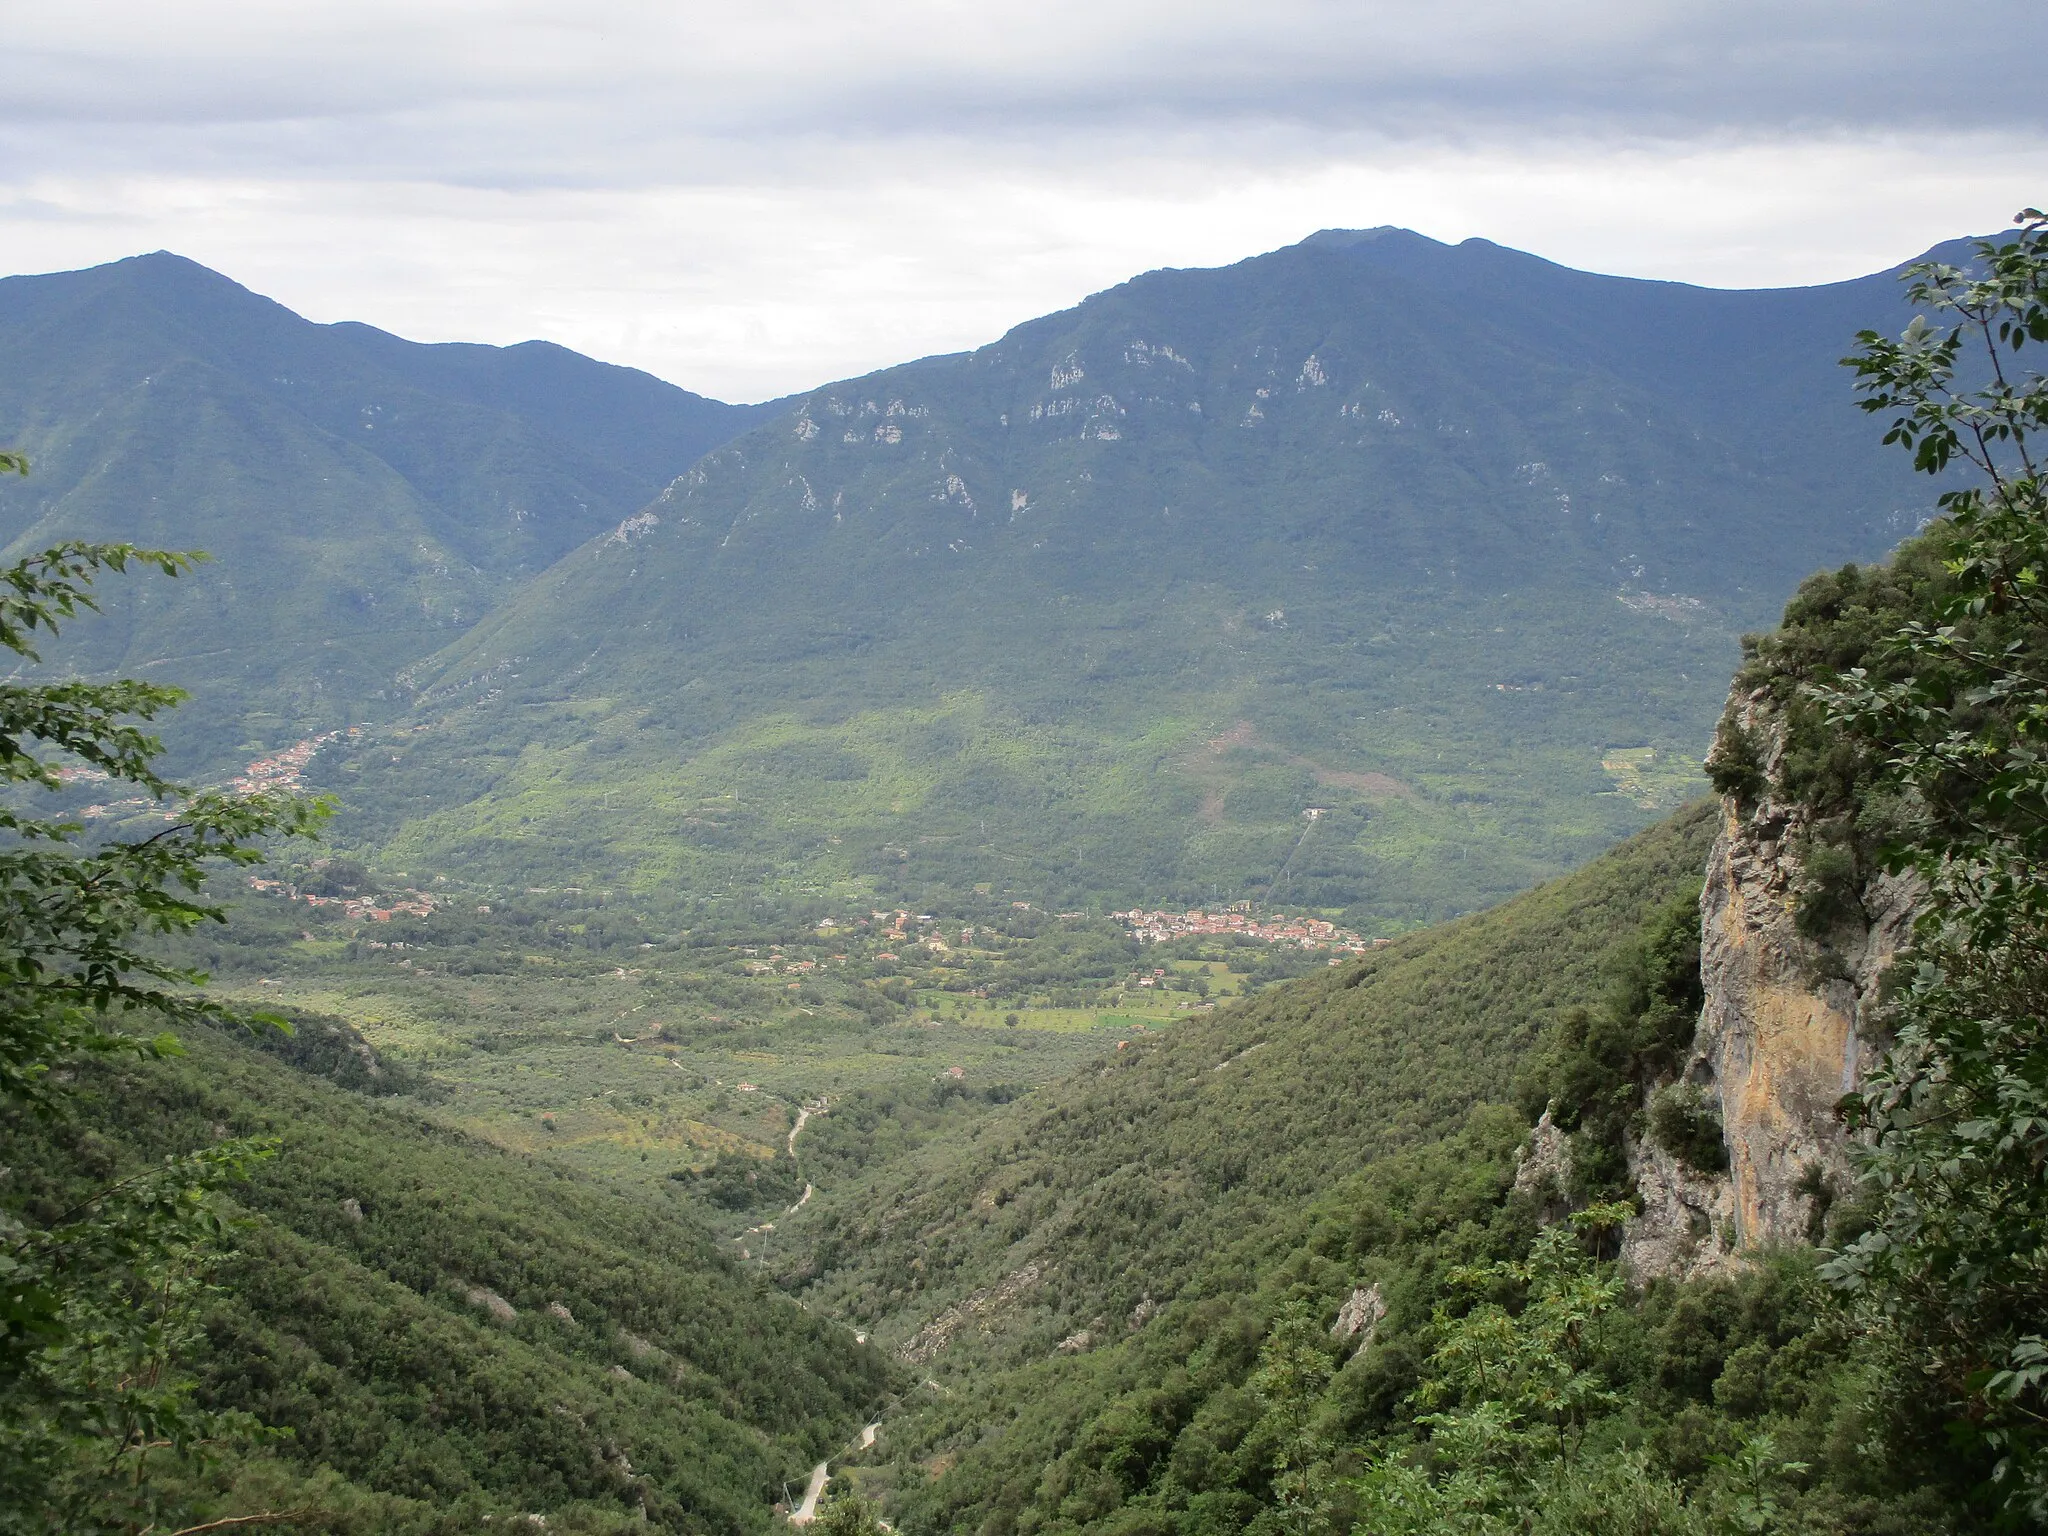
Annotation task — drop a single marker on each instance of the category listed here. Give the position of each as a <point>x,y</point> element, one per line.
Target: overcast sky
<point>755,197</point>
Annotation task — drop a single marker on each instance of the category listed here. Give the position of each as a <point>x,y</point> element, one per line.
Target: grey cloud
<point>623,94</point>
<point>753,195</point>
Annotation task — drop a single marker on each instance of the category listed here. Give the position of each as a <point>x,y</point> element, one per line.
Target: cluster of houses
<point>281,771</point>
<point>378,908</point>
<point>781,963</point>
<point>898,927</point>
<point>1239,921</point>
<point>286,770</point>
<point>130,806</point>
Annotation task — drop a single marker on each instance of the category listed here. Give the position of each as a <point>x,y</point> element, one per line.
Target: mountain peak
<point>1381,234</point>
<point>160,279</point>
<point>165,273</point>
<point>164,262</point>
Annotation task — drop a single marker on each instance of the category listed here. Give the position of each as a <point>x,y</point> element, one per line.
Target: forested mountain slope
<point>1448,545</point>
<point>1283,1269</point>
<point>1113,1186</point>
<point>453,1331</point>
<point>364,498</point>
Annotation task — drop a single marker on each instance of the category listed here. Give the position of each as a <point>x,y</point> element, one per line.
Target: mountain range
<point>364,499</point>
<point>1371,573</point>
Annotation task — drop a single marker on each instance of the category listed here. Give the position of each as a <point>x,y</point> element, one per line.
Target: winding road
<point>803,1114</point>
<point>821,1474</point>
<point>807,1511</point>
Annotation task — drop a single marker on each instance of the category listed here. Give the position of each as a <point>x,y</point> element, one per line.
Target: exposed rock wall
<point>1543,1169</point>
<point>1687,1226</point>
<point>1788,1028</point>
<point>1360,1317</point>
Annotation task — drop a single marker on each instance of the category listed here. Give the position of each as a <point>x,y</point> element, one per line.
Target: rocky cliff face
<point>1787,1030</point>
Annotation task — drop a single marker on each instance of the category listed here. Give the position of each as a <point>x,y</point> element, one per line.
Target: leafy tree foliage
<point>1511,1392</point>
<point>1683,1123</point>
<point>1953,722</point>
<point>739,1182</point>
<point>72,913</point>
<point>1515,1384</point>
<point>848,1514</point>
<point>101,1396</point>
<point>97,1305</point>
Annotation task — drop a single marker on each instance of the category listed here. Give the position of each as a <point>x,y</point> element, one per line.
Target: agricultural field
<point>681,1059</point>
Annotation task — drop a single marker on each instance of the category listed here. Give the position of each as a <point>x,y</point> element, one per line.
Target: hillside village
<point>1238,921</point>
<point>285,772</point>
<point>377,906</point>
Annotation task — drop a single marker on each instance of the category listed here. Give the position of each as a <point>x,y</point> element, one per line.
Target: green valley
<point>449,1332</point>
<point>565,1027</point>
<point>1339,576</point>
<point>1169,927</point>
<point>1113,1186</point>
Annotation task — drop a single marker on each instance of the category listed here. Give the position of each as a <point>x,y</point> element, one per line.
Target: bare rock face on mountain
<point>1788,1028</point>
<point>1543,1169</point>
<point>1686,1226</point>
<point>1359,1319</point>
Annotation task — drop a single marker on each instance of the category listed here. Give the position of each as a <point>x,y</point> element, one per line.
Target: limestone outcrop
<point>1788,1028</point>
<point>1543,1168</point>
<point>1686,1224</point>
<point>1360,1317</point>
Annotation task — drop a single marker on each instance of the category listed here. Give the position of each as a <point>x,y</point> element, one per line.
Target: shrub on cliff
<point>1949,719</point>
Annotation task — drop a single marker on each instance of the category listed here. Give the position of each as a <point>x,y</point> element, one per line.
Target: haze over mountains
<point>1370,573</point>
